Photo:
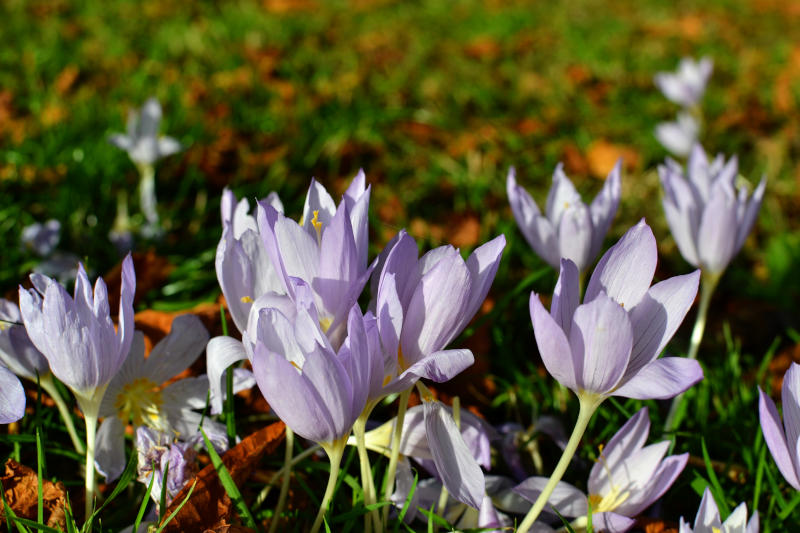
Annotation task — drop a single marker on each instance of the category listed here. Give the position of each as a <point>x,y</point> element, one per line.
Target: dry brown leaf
<point>20,485</point>
<point>209,506</point>
<point>653,525</point>
<point>151,269</point>
<point>465,231</point>
<point>603,155</point>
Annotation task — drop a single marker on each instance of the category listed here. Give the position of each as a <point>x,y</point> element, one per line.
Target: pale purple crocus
<point>709,218</point>
<point>687,85</point>
<point>424,303</point>
<point>141,141</point>
<point>709,521</point>
<point>327,250</point>
<point>626,478</point>
<point>79,340</point>
<point>12,397</point>
<point>42,238</point>
<point>136,395</point>
<point>680,135</point>
<point>568,228</point>
<point>783,439</point>
<point>609,345</point>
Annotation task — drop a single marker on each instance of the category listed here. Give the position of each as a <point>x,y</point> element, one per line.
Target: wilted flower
<point>136,394</point>
<point>142,142</point>
<point>783,440</point>
<point>627,478</point>
<point>708,520</point>
<point>42,238</point>
<point>156,452</point>
<point>77,336</point>
<point>709,219</point>
<point>679,136</point>
<point>686,86</point>
<point>609,345</point>
<point>569,228</point>
<point>12,397</point>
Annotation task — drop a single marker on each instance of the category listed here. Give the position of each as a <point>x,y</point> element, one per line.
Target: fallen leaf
<point>209,506</point>
<point>603,155</point>
<point>654,525</point>
<point>465,231</point>
<point>20,486</point>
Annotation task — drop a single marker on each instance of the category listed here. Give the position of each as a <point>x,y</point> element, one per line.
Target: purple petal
<point>716,239</point>
<point>553,345</point>
<point>600,341</point>
<point>656,318</point>
<point>604,207</point>
<point>566,296</point>
<point>575,235</point>
<point>439,366</point>
<point>612,522</point>
<point>110,448</point>
<point>661,379</point>
<point>561,196</point>
<point>566,499</point>
<point>776,440</point>
<point>320,201</point>
<point>12,397</point>
<point>745,224</point>
<point>459,471</point>
<point>790,396</point>
<point>663,478</point>
<point>681,207</point>
<point>482,265</point>
<point>538,231</point>
<point>626,269</point>
<point>626,441</point>
<point>178,350</point>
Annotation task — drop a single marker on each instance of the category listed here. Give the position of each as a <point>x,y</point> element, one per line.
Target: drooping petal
<point>12,397</point>
<point>438,366</point>
<point>658,315</point>
<point>221,352</point>
<point>600,341</point>
<point>566,296</point>
<point>625,271</point>
<point>553,346</point>
<point>661,379</point>
<point>109,457</point>
<point>457,468</point>
<point>566,499</point>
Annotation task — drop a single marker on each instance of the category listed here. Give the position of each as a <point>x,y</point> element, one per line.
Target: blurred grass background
<point>435,100</point>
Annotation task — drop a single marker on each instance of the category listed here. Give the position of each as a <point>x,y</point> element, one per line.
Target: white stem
<point>391,472</point>
<point>335,451</point>
<point>287,476</point>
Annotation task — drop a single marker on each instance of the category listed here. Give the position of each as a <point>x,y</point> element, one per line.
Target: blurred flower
<point>679,136</point>
<point>136,394</point>
<point>12,397</point>
<point>708,520</point>
<point>141,141</point>
<point>609,345</point>
<point>423,303</point>
<point>156,451</point>
<point>783,440</point>
<point>627,478</point>
<point>77,336</point>
<point>569,228</point>
<point>42,238</point>
<point>709,220</point>
<point>686,86</point>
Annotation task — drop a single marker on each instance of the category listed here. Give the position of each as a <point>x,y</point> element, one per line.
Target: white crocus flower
<point>708,519</point>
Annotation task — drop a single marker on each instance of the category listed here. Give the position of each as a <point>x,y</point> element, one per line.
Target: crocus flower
<point>609,345</point>
<point>424,303</point>
<point>327,250</point>
<point>136,395</point>
<point>686,86</point>
<point>679,136</point>
<point>42,238</point>
<point>76,335</point>
<point>569,228</point>
<point>783,440</point>
<point>627,478</point>
<point>708,519</point>
<point>12,397</point>
<point>142,142</point>
<point>709,220</point>
<point>17,352</point>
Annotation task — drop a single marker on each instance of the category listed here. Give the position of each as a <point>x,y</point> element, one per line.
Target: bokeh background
<point>435,101</point>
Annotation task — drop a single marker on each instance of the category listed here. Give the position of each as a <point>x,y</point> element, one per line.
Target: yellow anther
<point>401,362</point>
<point>140,402</point>
<point>325,324</point>
<point>317,223</point>
<point>296,365</point>
<point>246,300</point>
<point>386,380</point>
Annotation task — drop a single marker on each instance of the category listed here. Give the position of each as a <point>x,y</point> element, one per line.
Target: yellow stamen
<point>296,366</point>
<point>401,362</point>
<point>317,223</point>
<point>140,402</point>
<point>325,324</point>
<point>246,300</point>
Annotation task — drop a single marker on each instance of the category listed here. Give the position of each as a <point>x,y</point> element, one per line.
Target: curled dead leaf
<point>21,490</point>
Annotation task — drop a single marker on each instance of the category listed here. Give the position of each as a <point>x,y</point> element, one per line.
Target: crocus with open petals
<point>783,439</point>
<point>627,478</point>
<point>568,228</point>
<point>142,142</point>
<point>708,519</point>
<point>609,345</point>
<point>709,219</point>
<point>687,85</point>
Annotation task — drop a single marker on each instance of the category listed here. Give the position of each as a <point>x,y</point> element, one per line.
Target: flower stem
<point>287,476</point>
<point>708,283</point>
<point>335,451</point>
<point>50,388</point>
<point>90,407</point>
<point>588,405</point>
<point>391,472</point>
<point>367,483</point>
